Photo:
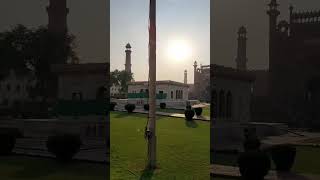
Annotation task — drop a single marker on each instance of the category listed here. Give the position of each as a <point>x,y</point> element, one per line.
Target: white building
<point>84,81</point>
<point>14,88</point>
<point>114,90</point>
<point>173,94</point>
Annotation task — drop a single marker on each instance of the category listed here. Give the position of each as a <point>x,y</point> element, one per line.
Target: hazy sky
<point>86,20</point>
<point>188,20</point>
<point>229,15</point>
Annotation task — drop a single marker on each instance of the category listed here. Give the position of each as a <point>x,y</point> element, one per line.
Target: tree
<point>35,50</point>
<point>14,50</point>
<point>121,78</point>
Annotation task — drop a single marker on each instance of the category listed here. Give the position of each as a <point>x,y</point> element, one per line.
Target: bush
<point>37,110</point>
<point>112,106</point>
<point>189,113</point>
<point>251,144</point>
<point>12,131</point>
<point>64,147</point>
<point>163,105</point>
<point>283,157</point>
<point>146,107</point>
<point>254,165</point>
<point>5,111</point>
<point>188,107</point>
<point>8,141</point>
<point>198,111</point>
<point>130,107</point>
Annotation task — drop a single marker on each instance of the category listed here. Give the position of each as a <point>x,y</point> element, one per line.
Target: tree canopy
<point>121,78</point>
<point>35,50</point>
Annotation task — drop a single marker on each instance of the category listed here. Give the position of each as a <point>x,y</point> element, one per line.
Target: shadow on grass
<point>146,174</point>
<point>123,114</point>
<point>291,175</point>
<point>191,124</point>
<point>38,170</point>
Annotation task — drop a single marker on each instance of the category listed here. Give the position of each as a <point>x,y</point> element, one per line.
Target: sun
<point>178,50</point>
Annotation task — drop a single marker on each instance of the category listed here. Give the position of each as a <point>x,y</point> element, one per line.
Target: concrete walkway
<point>175,115</point>
<point>233,172</point>
<point>308,139</point>
<point>91,150</point>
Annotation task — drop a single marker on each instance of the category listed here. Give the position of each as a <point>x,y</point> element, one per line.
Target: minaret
<point>241,58</point>
<point>128,58</point>
<point>57,13</point>
<point>195,73</point>
<point>185,77</point>
<point>273,13</point>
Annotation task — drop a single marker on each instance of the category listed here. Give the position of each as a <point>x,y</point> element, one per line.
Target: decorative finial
<point>128,46</point>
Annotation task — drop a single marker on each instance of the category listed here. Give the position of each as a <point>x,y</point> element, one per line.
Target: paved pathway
<point>308,139</point>
<point>176,115</point>
<point>233,172</point>
<point>92,150</point>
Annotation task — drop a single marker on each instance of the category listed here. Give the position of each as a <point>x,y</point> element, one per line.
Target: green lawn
<point>30,168</point>
<point>180,111</point>
<point>307,160</point>
<point>182,148</point>
<point>206,111</point>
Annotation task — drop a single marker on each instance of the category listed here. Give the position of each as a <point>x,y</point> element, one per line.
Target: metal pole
<point>152,86</point>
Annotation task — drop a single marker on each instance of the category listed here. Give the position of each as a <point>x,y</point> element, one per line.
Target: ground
<point>307,160</point>
<point>27,168</point>
<point>182,148</point>
<point>205,111</point>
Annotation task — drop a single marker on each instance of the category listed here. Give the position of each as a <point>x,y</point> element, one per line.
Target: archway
<point>229,105</point>
<point>221,104</point>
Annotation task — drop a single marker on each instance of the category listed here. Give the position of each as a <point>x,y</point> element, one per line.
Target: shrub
<point>130,107</point>
<point>37,110</point>
<point>146,107</point>
<point>198,111</point>
<point>11,131</point>
<point>283,156</point>
<point>251,144</point>
<point>254,165</point>
<point>189,113</point>
<point>5,111</point>
<point>64,146</point>
<point>8,141</point>
<point>188,107</point>
<point>112,106</point>
<point>163,105</point>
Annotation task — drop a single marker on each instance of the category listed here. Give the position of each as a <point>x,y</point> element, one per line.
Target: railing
<point>145,95</point>
<point>70,108</point>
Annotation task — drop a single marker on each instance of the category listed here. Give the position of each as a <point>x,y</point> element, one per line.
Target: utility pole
<point>152,141</point>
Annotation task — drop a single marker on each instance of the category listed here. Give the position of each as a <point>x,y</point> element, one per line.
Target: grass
<point>182,148</point>
<point>206,111</point>
<point>307,160</point>
<point>27,168</point>
<point>179,111</point>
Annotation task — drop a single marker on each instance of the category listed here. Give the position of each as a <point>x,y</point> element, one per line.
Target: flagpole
<point>152,86</point>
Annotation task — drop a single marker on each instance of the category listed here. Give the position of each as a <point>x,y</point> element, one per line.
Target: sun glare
<point>178,50</point>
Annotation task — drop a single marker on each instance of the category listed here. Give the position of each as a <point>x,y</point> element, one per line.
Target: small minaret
<point>185,77</point>
<point>273,13</point>
<point>241,58</point>
<point>128,58</point>
<point>195,73</point>
<point>57,14</point>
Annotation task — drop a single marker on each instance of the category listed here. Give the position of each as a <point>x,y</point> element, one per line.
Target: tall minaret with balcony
<point>185,77</point>
<point>241,58</point>
<point>57,14</point>
<point>128,58</point>
<point>273,13</point>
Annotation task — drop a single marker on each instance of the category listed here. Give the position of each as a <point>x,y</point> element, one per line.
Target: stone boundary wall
<point>86,127</point>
